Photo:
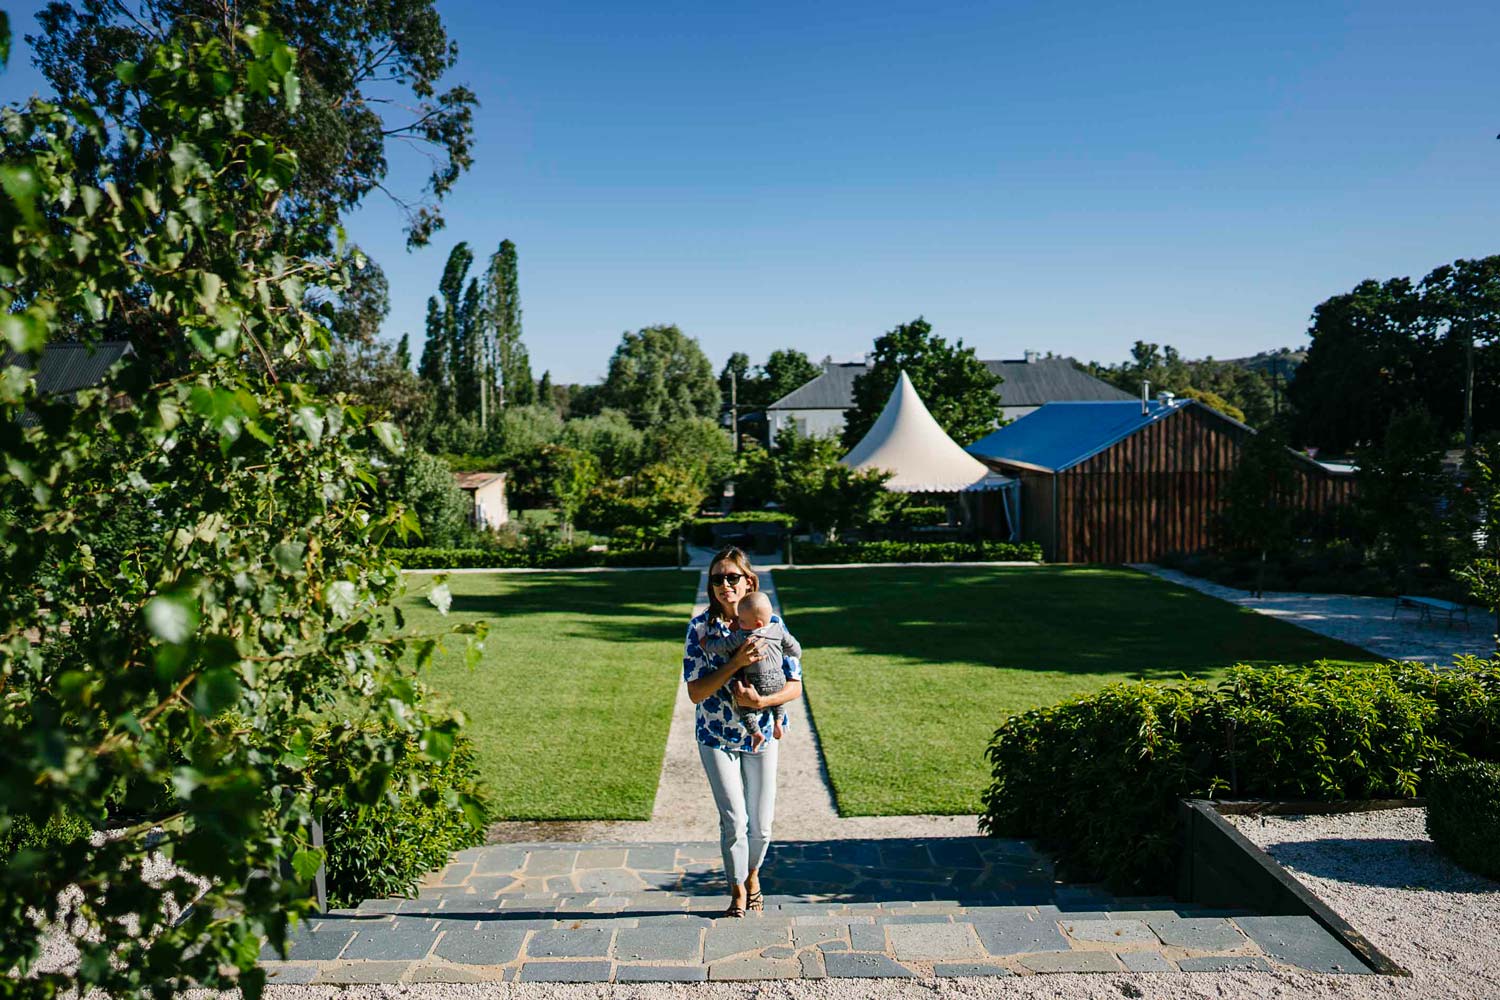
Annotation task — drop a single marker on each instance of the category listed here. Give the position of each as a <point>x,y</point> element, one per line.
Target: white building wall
<point>490,509</point>
<point>809,423</point>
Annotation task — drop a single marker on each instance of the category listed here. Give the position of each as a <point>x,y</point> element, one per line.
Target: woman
<point>743,781</point>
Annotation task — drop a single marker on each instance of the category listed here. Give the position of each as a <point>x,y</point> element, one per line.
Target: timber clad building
<point>1118,482</point>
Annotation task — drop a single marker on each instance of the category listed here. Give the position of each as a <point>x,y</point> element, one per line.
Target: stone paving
<point>893,908</point>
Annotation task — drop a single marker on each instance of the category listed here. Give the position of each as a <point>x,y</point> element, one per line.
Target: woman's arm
<point>747,697</point>
<point>701,687</point>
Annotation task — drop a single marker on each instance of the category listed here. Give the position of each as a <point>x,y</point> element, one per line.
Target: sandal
<point>735,910</point>
<point>756,901</point>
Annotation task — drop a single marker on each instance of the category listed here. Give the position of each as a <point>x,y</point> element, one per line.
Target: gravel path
<point>1381,872</point>
<point>1365,622</point>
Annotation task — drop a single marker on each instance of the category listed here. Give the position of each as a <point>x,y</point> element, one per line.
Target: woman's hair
<point>733,556</point>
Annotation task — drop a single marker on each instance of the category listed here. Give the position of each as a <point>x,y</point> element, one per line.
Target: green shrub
<point>922,517</point>
<point>1463,814</point>
<point>424,483</point>
<point>1098,778</point>
<point>432,808</point>
<point>808,553</point>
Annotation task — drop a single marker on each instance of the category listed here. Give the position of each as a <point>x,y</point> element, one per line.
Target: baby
<point>765,675</point>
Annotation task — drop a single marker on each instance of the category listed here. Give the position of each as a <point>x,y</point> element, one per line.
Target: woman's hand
<point>746,696</point>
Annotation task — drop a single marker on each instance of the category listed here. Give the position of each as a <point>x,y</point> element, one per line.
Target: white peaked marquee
<point>907,440</point>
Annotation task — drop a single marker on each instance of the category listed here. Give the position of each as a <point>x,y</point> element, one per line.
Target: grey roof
<point>1026,383</point>
<point>1050,380</point>
<point>65,368</point>
<point>832,390</point>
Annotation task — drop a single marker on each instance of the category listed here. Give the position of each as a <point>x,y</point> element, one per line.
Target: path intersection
<point>859,897</point>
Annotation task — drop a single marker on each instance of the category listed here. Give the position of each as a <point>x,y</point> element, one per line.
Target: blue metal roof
<point>1058,435</point>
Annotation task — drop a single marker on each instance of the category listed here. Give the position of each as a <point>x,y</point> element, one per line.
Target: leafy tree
<point>1362,367</point>
<point>825,494</point>
<point>362,306</point>
<point>757,476</point>
<point>375,375</point>
<point>786,370</point>
<point>582,400</point>
<point>1403,491</point>
<point>659,374</point>
<point>759,387</point>
<point>1242,391</point>
<point>575,473</point>
<point>511,363</point>
<point>736,382</point>
<point>1259,501</point>
<point>424,485</point>
<point>527,437</point>
<point>183,682</point>
<point>1214,401</point>
<point>642,510</point>
<point>526,428</point>
<point>449,321</point>
<point>696,445</point>
<point>619,447</point>
<point>546,392</point>
<point>474,358</point>
<point>367,75</point>
<point>1385,348</point>
<point>959,391</point>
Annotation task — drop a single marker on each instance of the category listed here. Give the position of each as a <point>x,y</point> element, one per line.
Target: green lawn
<point>910,670</point>
<point>569,709</point>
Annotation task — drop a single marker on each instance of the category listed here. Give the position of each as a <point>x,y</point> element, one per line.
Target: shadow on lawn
<point>1042,618</point>
<point>650,606</point>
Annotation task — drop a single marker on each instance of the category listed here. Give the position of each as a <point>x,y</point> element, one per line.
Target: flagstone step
<point>654,912</point>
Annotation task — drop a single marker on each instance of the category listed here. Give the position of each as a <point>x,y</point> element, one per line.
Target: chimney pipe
<point>1145,396</point>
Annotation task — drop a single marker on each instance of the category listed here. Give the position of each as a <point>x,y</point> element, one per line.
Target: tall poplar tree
<point>444,355</point>
<point>511,364</point>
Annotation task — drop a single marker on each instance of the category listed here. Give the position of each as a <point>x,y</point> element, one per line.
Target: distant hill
<point>1284,360</point>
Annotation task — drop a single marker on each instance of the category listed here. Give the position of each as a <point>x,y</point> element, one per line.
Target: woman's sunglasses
<point>719,579</point>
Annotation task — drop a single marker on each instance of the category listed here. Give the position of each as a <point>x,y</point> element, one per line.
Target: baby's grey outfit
<point>765,674</point>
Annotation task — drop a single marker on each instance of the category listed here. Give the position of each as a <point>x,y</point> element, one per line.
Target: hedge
<point>385,849</point>
<point>1098,778</point>
<point>1463,814</point>
<point>527,559</point>
<point>921,517</point>
<point>809,553</point>
<point>700,530</point>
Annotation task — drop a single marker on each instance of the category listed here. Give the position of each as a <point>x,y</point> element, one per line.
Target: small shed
<point>1117,482</point>
<point>909,443</point>
<point>486,491</point>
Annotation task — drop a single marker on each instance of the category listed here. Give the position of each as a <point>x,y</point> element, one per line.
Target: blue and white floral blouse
<point>716,723</point>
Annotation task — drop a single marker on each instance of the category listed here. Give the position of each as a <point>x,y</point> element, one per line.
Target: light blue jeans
<point>744,786</point>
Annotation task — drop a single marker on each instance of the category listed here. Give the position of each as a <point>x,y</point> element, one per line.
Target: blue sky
<point>1064,177</point>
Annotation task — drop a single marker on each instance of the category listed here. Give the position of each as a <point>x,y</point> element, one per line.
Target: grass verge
<point>570,707</point>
